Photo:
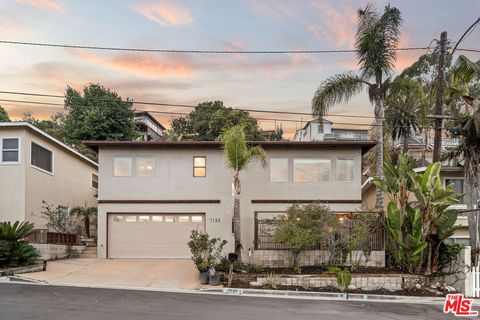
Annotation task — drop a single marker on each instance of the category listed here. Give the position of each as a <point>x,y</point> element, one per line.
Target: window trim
<point>194,167</point>
<point>38,168</point>
<point>270,169</point>
<point>136,166</point>
<point>312,158</point>
<point>19,161</point>
<point>354,169</point>
<point>132,168</point>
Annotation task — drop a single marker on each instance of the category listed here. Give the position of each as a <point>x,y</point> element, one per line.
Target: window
<point>63,216</point>
<point>94,181</point>
<point>118,218</point>
<point>457,186</point>
<point>197,219</point>
<point>130,218</point>
<point>42,158</point>
<point>458,240</point>
<point>122,166</point>
<point>199,166</point>
<point>346,170</point>
<point>10,150</point>
<point>143,218</point>
<point>169,219</point>
<point>311,170</point>
<point>183,219</point>
<point>278,169</point>
<point>157,218</point>
<point>145,167</point>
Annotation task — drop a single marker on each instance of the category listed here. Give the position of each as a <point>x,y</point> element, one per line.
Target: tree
<point>86,214</point>
<point>57,218</point>
<point>209,119</point>
<point>406,109</point>
<point>98,114</point>
<point>304,227</point>
<point>53,127</point>
<point>238,157</point>
<point>4,115</point>
<point>376,42</point>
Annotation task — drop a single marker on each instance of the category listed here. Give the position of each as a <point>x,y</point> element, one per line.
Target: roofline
<point>315,120</point>
<point>49,137</point>
<point>95,145</point>
<point>151,118</point>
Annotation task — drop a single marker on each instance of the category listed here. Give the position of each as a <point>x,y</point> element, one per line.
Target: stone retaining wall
<point>54,251</point>
<point>282,258</point>
<point>39,266</point>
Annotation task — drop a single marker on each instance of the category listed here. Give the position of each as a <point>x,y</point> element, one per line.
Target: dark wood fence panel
<point>44,236</point>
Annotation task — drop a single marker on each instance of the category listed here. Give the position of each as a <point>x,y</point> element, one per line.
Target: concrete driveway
<point>135,273</point>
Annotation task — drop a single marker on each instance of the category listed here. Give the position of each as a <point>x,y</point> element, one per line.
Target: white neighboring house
<point>35,166</point>
<point>316,131</point>
<point>152,194</point>
<point>150,128</point>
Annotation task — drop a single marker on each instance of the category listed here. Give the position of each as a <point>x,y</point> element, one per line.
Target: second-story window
<point>200,166</point>
<point>311,170</point>
<point>145,166</point>
<point>346,170</point>
<point>42,158</point>
<point>10,150</point>
<point>122,166</point>
<point>457,184</point>
<point>94,181</point>
<point>278,169</point>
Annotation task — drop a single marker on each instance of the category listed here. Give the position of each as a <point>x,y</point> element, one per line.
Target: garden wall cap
<point>364,145</point>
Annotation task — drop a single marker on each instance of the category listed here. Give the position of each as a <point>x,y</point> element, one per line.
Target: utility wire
<point>56,45</point>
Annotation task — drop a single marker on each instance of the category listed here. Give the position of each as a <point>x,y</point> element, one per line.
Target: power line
<point>56,45</point>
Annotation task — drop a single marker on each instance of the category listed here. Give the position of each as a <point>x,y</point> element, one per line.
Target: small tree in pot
<point>206,253</point>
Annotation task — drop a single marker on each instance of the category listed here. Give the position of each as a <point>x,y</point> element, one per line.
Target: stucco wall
<point>174,181</point>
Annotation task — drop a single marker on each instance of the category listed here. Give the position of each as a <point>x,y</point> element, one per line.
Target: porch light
<point>341,219</point>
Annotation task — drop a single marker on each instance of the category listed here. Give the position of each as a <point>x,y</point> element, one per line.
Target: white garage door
<point>151,235</point>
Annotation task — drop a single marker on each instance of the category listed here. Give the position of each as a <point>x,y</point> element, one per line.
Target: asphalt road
<point>21,302</point>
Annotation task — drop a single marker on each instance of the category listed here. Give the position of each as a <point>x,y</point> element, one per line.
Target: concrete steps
<point>89,253</point>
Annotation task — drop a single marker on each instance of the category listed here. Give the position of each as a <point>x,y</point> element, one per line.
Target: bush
<point>13,250</point>
<point>343,277</point>
<point>206,252</point>
<point>254,268</point>
<point>449,254</point>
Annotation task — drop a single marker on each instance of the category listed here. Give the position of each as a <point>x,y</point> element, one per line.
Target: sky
<point>269,82</point>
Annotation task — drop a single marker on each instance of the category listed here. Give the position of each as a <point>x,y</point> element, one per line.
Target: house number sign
<point>214,220</point>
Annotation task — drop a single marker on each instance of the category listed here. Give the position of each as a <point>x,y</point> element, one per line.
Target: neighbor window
<point>145,167</point>
<point>94,181</point>
<point>457,186</point>
<point>346,170</point>
<point>311,170</point>
<point>199,166</point>
<point>10,150</point>
<point>42,158</point>
<point>278,169</point>
<point>122,166</point>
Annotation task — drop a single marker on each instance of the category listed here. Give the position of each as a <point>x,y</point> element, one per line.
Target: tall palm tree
<point>85,213</point>
<point>406,109</point>
<point>238,156</point>
<point>376,42</point>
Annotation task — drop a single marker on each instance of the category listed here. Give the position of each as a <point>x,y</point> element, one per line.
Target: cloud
<point>337,24</point>
<point>48,5</point>
<point>164,14</point>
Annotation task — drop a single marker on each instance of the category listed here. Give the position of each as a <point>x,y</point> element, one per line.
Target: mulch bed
<point>322,269</point>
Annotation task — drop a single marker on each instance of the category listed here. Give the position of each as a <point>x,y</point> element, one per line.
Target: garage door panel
<point>151,239</point>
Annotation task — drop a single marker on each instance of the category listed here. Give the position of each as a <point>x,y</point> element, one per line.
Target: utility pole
<point>437,141</point>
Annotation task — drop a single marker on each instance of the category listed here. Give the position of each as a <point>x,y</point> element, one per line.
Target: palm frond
<point>465,69</point>
<point>339,88</point>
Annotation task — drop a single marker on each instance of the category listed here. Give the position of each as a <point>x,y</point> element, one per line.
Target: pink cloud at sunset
<point>164,14</point>
<point>48,5</point>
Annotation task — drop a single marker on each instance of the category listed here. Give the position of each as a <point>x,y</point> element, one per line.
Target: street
<point>50,302</point>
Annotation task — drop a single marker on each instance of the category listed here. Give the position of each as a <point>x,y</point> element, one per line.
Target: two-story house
<point>152,194</point>
<point>36,167</point>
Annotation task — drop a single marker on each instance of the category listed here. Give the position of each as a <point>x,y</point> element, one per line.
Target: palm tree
<point>376,42</point>
<point>239,156</point>
<point>406,109</point>
<point>85,213</point>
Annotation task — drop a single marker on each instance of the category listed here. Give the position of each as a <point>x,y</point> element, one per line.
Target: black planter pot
<point>214,280</point>
<point>204,277</point>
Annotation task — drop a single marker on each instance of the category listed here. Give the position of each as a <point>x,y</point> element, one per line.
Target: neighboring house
<point>448,175</point>
<point>422,145</point>
<point>150,128</point>
<point>152,194</point>
<point>314,131</point>
<point>34,166</point>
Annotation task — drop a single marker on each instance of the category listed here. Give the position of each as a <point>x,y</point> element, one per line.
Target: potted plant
<point>206,253</point>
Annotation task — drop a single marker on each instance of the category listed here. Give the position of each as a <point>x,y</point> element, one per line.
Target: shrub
<point>254,268</point>
<point>13,250</point>
<point>343,277</point>
<point>206,252</point>
<point>449,254</point>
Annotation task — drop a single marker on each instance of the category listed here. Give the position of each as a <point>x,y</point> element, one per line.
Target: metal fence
<point>44,236</point>
<point>265,236</point>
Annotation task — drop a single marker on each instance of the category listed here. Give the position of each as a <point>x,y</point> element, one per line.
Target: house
<point>152,194</point>
<point>316,131</point>
<point>36,167</point>
<point>150,128</point>
<point>449,175</point>
<point>421,146</point>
